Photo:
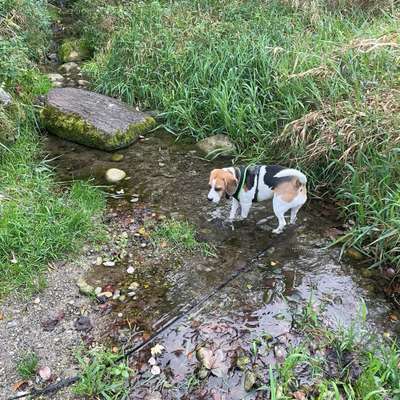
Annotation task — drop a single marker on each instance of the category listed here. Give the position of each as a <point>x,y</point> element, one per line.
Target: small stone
<point>114,175</point>
<point>161,164</point>
<point>84,287</point>
<point>122,298</point>
<point>242,362</point>
<point>109,263</point>
<point>69,67</point>
<point>106,294</point>
<point>134,200</point>
<point>54,77</point>
<point>131,294</point>
<point>99,261</point>
<point>82,82</point>
<point>249,380</point>
<point>5,98</point>
<point>98,290</point>
<point>143,245</point>
<point>203,373</point>
<point>37,300</point>
<point>218,144</point>
<point>83,324</point>
<point>133,285</point>
<point>117,157</point>
<point>120,315</point>
<point>12,324</point>
<point>130,270</point>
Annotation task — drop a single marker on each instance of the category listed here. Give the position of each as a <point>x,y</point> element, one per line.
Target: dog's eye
<point>218,189</point>
<point>209,186</point>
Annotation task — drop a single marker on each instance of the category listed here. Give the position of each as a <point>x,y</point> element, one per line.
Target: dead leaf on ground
<point>19,385</point>
<point>213,361</point>
<point>299,395</point>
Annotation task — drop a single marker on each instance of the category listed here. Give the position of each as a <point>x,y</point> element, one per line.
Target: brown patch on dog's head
<point>220,182</point>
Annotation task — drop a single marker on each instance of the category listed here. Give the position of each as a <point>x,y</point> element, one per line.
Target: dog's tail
<point>292,172</point>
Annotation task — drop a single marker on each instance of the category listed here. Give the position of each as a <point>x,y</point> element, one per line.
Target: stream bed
<point>169,180</point>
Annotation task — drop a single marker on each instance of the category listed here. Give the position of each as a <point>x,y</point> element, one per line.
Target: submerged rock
<point>114,175</point>
<point>220,144</point>
<point>69,67</point>
<point>116,157</point>
<point>92,119</point>
<point>56,79</point>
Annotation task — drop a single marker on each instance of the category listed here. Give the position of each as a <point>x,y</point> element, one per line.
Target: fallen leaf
<point>18,385</point>
<point>213,361</point>
<point>299,395</point>
<point>157,350</point>
<point>45,373</point>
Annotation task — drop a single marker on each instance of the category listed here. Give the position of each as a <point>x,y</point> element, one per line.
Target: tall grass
<point>39,220</point>
<point>308,86</point>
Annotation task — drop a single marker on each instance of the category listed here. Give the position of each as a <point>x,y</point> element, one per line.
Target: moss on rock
<point>73,50</point>
<point>74,128</point>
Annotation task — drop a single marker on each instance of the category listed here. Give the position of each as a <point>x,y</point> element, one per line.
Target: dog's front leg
<point>245,208</point>
<point>234,208</point>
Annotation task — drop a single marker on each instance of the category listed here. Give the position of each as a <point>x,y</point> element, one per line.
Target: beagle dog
<point>246,185</point>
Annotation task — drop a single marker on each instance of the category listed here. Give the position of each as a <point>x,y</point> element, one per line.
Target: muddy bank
<point>169,180</point>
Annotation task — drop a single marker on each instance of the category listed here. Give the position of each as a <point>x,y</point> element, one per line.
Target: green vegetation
<point>179,236</point>
<point>318,79</point>
<point>335,364</point>
<point>40,221</point>
<point>27,366</point>
<point>102,376</point>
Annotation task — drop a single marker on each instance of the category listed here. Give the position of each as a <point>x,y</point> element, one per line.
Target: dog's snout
<point>209,199</point>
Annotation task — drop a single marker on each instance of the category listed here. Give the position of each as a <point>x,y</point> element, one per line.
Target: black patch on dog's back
<point>269,177</point>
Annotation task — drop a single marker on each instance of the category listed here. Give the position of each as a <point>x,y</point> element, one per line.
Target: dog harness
<point>249,175</point>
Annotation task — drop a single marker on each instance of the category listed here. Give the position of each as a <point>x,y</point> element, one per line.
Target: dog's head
<point>221,182</point>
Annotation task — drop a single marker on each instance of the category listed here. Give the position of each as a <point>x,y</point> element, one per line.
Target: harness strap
<point>242,179</point>
<point>258,180</point>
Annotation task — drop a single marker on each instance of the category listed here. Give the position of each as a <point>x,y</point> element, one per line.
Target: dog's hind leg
<point>234,208</point>
<point>293,214</point>
<point>280,207</point>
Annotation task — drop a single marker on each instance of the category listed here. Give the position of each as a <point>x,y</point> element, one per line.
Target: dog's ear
<point>230,184</point>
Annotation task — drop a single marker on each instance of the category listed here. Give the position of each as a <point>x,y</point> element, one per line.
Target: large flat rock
<point>92,119</point>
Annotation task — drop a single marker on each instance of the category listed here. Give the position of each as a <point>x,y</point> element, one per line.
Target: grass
<point>343,363</point>
<point>179,236</point>
<point>41,221</point>
<point>101,376</point>
<point>318,79</point>
<point>27,366</point>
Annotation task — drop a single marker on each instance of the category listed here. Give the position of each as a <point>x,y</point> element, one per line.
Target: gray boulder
<point>218,144</point>
<point>92,119</point>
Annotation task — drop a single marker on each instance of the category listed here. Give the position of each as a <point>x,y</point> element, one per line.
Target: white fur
<point>265,192</point>
<point>292,172</point>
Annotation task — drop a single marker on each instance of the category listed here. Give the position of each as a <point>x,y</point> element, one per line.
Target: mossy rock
<point>73,50</point>
<point>92,119</point>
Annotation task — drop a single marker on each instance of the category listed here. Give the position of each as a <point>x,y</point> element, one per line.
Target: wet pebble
<point>249,380</point>
<point>109,263</point>
<point>117,157</point>
<point>115,175</point>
